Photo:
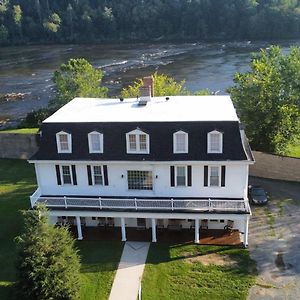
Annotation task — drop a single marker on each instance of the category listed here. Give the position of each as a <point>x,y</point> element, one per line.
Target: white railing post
<point>65,200</point>
<point>100,203</point>
<point>140,292</point>
<point>135,204</point>
<point>172,203</point>
<point>209,204</point>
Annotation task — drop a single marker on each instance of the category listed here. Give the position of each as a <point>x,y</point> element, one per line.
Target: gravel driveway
<point>274,242</point>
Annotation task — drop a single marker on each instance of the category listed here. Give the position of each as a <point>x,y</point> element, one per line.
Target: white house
<point>153,162</point>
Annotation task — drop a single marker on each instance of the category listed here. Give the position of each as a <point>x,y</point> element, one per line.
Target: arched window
<point>64,142</point>
<point>95,140</point>
<point>180,142</point>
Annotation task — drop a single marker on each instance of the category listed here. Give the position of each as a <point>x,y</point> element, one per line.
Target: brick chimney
<point>148,81</point>
<point>146,91</point>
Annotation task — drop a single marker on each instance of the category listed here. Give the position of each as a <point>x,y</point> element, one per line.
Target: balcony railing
<point>142,204</point>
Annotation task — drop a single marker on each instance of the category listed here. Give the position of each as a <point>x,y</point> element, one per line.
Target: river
<point>28,69</point>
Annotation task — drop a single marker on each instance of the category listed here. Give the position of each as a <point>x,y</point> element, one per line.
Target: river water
<point>28,69</point>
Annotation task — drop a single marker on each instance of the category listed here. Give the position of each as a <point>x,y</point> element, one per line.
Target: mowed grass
<point>21,130</point>
<point>294,149</point>
<point>17,182</point>
<point>174,272</point>
<point>99,259</point>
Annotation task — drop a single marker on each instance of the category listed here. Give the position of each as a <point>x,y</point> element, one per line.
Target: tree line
<point>68,21</point>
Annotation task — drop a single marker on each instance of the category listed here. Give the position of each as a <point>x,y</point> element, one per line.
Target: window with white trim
<point>137,141</point>
<point>64,142</point>
<point>66,174</point>
<point>139,180</point>
<point>95,140</point>
<point>97,174</point>
<point>180,176</point>
<point>180,142</point>
<point>214,176</point>
<point>215,142</point>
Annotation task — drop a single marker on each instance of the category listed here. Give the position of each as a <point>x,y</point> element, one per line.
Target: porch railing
<point>142,204</point>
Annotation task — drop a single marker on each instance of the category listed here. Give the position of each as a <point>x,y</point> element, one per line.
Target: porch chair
<point>110,223</point>
<point>160,224</point>
<point>204,224</point>
<point>102,222</point>
<point>229,226</point>
<point>83,221</point>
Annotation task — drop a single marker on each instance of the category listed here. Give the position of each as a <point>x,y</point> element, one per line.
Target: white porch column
<point>246,225</point>
<point>79,231</point>
<point>153,225</point>
<point>197,235</point>
<point>123,229</point>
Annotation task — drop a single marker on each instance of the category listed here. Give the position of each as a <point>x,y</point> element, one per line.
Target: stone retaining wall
<point>275,167</point>
<point>17,145</point>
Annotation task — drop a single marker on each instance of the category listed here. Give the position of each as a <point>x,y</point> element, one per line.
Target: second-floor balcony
<point>142,204</point>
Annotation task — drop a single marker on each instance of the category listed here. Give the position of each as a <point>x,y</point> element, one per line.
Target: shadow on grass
<point>97,256</point>
<point>6,291</point>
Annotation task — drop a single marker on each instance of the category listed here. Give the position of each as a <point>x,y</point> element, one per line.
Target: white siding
<point>235,185</point>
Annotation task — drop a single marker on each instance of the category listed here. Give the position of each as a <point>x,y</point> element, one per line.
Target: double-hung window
<point>66,174</point>
<point>214,142</point>
<point>97,175</point>
<point>181,175</point>
<point>63,142</point>
<point>180,142</point>
<point>137,142</point>
<point>139,180</point>
<point>214,176</point>
<point>95,140</point>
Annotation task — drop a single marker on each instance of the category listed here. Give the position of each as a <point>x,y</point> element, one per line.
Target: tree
<point>267,99</point>
<point>163,86</point>
<point>48,264</point>
<point>53,23</point>
<point>17,14</point>
<point>3,34</point>
<point>77,78</point>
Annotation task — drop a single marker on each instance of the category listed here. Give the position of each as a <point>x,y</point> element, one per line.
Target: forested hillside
<point>38,21</point>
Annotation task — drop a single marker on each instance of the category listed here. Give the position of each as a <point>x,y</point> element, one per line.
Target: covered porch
<point>208,229</point>
<point>207,237</point>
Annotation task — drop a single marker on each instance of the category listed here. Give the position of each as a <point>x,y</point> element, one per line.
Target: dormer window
<point>215,142</point>
<point>137,142</point>
<point>95,140</point>
<point>180,142</point>
<point>64,142</point>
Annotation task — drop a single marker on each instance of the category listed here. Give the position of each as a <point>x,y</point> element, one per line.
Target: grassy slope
<point>168,275</point>
<point>21,130</point>
<point>99,259</point>
<point>17,181</point>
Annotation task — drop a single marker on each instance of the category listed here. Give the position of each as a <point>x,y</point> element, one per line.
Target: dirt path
<point>275,242</point>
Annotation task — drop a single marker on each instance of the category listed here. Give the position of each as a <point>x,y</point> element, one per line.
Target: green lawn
<point>99,259</point>
<point>294,150</point>
<point>21,130</point>
<point>179,272</point>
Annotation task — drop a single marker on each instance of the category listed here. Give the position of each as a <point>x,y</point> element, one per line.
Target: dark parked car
<point>257,195</point>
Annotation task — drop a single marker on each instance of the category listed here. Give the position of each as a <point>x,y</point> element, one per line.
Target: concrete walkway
<point>129,274</point>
